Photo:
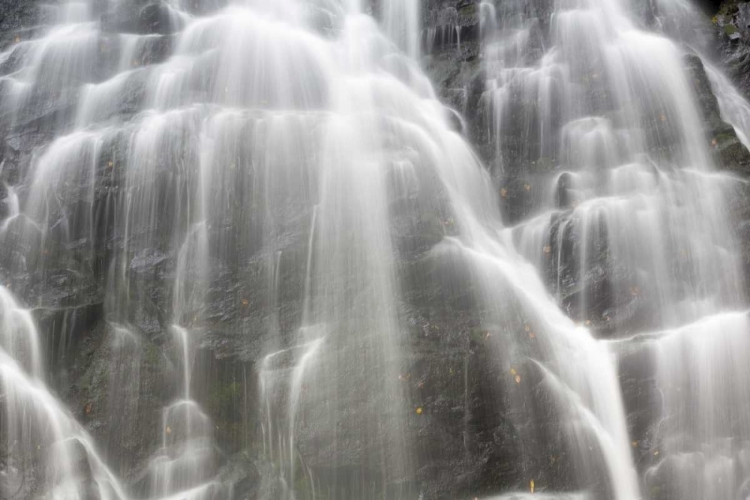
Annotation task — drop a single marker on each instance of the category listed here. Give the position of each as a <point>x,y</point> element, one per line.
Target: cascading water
<point>628,219</point>
<point>272,180</point>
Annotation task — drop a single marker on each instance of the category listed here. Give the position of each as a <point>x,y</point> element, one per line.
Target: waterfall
<point>293,277</point>
<point>44,443</point>
<point>402,24</point>
<point>628,218</point>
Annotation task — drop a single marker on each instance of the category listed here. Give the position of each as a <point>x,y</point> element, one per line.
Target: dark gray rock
<point>142,17</point>
<point>18,14</point>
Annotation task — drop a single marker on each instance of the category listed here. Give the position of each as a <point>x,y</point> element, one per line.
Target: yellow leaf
<point>513,371</point>
<point>531,485</point>
<point>245,302</point>
<point>419,410</point>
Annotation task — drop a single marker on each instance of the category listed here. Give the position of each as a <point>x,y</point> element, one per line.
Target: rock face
<point>451,46</point>
<point>469,436</point>
<point>732,33</point>
<point>18,14</point>
<point>732,22</point>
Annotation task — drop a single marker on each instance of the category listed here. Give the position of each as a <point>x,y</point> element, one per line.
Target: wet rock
<point>732,32</point>
<point>17,14</point>
<point>728,151</point>
<point>226,388</point>
<point>450,44</point>
<point>45,111</point>
<point>142,18</point>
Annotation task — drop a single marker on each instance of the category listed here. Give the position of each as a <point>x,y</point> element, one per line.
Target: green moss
<point>151,354</point>
<point>722,138</point>
<point>469,10</point>
<point>544,164</point>
<point>225,396</point>
<point>730,29</point>
<point>478,336</point>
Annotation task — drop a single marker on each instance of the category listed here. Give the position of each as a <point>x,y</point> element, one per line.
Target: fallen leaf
<point>527,187</point>
<point>518,379</point>
<point>531,485</point>
<point>547,249</point>
<point>503,192</point>
<point>513,371</point>
<point>419,410</point>
<point>169,430</point>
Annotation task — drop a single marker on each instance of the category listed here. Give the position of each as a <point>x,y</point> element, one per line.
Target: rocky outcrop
<point>451,46</point>
<point>732,23</point>
<point>728,151</point>
<point>19,14</point>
